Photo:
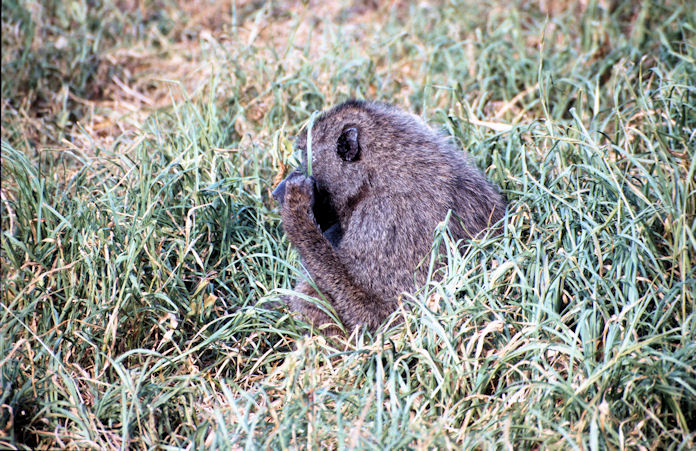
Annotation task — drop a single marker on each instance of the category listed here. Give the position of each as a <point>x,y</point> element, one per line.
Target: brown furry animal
<point>382,181</point>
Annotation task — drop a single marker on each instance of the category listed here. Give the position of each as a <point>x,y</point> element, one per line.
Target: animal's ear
<point>347,146</point>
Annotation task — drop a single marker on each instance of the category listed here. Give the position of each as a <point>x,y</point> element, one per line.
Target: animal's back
<point>417,178</point>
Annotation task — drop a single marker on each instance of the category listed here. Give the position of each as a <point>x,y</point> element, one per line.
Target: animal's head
<point>339,151</point>
<point>358,147</point>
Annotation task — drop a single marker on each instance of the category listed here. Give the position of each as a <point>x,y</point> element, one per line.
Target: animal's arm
<point>353,305</point>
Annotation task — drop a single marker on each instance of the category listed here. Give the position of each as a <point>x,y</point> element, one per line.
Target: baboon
<point>364,220</point>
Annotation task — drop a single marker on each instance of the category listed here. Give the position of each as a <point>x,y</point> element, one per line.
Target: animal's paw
<point>299,193</point>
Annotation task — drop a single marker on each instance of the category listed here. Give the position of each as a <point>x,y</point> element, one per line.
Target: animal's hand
<point>299,194</point>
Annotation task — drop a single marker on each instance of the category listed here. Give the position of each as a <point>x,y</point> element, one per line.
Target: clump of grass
<point>138,274</point>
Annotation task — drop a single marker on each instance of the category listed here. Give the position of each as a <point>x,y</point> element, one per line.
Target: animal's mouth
<point>324,212</point>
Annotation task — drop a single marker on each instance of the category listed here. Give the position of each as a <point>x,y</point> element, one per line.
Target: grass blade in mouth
<point>310,125</point>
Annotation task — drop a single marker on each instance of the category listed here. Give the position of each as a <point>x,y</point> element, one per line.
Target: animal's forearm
<point>350,302</point>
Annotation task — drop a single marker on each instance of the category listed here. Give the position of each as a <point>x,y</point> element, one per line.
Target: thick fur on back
<point>375,214</point>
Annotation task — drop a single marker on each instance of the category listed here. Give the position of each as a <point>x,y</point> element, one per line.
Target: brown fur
<point>382,181</point>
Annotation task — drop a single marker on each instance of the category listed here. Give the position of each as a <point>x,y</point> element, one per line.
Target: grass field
<point>141,249</point>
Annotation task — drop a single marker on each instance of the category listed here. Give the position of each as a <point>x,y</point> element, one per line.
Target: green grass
<point>140,258</point>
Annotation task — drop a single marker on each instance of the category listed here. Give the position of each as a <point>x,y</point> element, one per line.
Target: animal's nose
<point>279,192</point>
